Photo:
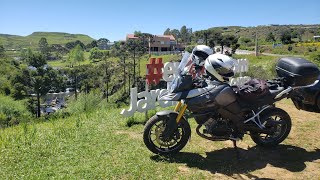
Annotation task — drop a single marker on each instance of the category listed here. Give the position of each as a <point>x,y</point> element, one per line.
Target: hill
<point>17,42</point>
<point>306,31</point>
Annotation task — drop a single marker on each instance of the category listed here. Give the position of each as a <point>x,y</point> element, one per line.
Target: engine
<point>217,127</point>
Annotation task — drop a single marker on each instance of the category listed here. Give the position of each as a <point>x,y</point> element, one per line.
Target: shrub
<point>189,48</point>
<point>315,57</point>
<point>12,112</point>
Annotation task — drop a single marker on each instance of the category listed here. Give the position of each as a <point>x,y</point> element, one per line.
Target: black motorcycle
<point>168,131</point>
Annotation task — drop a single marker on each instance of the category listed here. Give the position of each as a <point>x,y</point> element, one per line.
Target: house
<point>160,43</point>
<point>316,38</point>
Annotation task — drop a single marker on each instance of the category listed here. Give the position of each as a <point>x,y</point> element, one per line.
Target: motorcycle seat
<point>186,94</point>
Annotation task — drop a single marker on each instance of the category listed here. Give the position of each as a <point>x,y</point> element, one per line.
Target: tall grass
<point>262,67</point>
<point>84,102</point>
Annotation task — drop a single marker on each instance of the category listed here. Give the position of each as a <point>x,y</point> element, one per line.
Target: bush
<point>315,57</point>
<point>189,48</point>
<point>12,112</point>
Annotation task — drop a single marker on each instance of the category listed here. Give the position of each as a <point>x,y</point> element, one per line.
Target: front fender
<point>167,113</point>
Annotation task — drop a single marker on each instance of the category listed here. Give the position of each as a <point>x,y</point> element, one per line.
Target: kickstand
<point>236,149</point>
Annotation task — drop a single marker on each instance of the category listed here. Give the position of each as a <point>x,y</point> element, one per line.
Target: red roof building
<point>160,43</point>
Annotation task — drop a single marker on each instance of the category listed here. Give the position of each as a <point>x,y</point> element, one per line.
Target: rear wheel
<point>277,120</point>
<point>156,143</point>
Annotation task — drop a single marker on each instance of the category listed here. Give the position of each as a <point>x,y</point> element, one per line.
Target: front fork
<point>180,108</point>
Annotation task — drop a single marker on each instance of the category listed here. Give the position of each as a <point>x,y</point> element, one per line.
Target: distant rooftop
<point>168,36</point>
<point>131,36</point>
<point>171,37</point>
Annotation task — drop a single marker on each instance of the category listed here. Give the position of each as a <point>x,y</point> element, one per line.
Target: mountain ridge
<point>11,41</point>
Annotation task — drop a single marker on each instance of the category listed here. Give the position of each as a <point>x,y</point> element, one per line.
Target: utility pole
<point>256,48</point>
<point>149,45</point>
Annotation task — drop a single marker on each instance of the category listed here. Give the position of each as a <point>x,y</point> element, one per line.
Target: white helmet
<point>200,54</point>
<point>220,66</point>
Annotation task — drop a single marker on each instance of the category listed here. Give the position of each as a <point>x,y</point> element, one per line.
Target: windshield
<point>185,64</point>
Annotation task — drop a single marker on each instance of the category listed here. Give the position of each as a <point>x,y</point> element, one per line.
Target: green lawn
<point>86,146</point>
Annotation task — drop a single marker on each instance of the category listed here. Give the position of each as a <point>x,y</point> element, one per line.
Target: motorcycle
<point>168,131</point>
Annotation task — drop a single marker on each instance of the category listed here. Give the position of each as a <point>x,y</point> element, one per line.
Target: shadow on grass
<point>224,161</point>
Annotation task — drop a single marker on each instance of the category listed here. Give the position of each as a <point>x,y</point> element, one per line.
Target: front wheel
<point>279,121</point>
<point>153,136</point>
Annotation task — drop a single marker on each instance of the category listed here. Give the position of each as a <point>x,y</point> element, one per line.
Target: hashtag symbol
<point>154,71</point>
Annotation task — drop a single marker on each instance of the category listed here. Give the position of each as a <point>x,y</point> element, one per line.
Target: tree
<point>76,55</point>
<point>21,84</point>
<point>244,40</point>
<point>87,77</point>
<point>300,33</point>
<point>2,51</point>
<point>102,43</point>
<point>44,47</point>
<point>119,50</point>
<point>91,45</point>
<point>232,42</point>
<point>184,34</point>
<point>229,41</point>
<point>285,37</point>
<point>36,60</point>
<point>211,37</point>
<point>167,32</point>
<point>137,33</point>
<point>108,72</point>
<point>270,37</point>
<point>72,45</point>
<point>203,35</point>
<point>175,33</point>
<point>38,80</point>
<point>136,48</point>
<point>294,34</point>
<point>95,54</point>
<point>146,39</point>
<point>25,54</point>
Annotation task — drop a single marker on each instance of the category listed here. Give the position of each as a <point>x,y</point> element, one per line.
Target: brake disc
<point>158,132</point>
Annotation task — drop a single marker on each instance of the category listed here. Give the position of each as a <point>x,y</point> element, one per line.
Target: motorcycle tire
<point>282,130</point>
<point>154,141</point>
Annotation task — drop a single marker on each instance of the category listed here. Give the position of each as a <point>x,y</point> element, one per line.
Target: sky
<point>114,19</point>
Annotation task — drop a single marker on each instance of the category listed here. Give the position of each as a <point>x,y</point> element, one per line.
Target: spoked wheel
<point>154,138</point>
<point>276,120</point>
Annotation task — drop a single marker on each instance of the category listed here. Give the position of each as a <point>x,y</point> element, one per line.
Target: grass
<point>99,145</point>
<point>91,146</point>
<point>64,63</point>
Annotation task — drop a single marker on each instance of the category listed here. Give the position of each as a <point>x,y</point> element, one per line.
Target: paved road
<point>239,51</point>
